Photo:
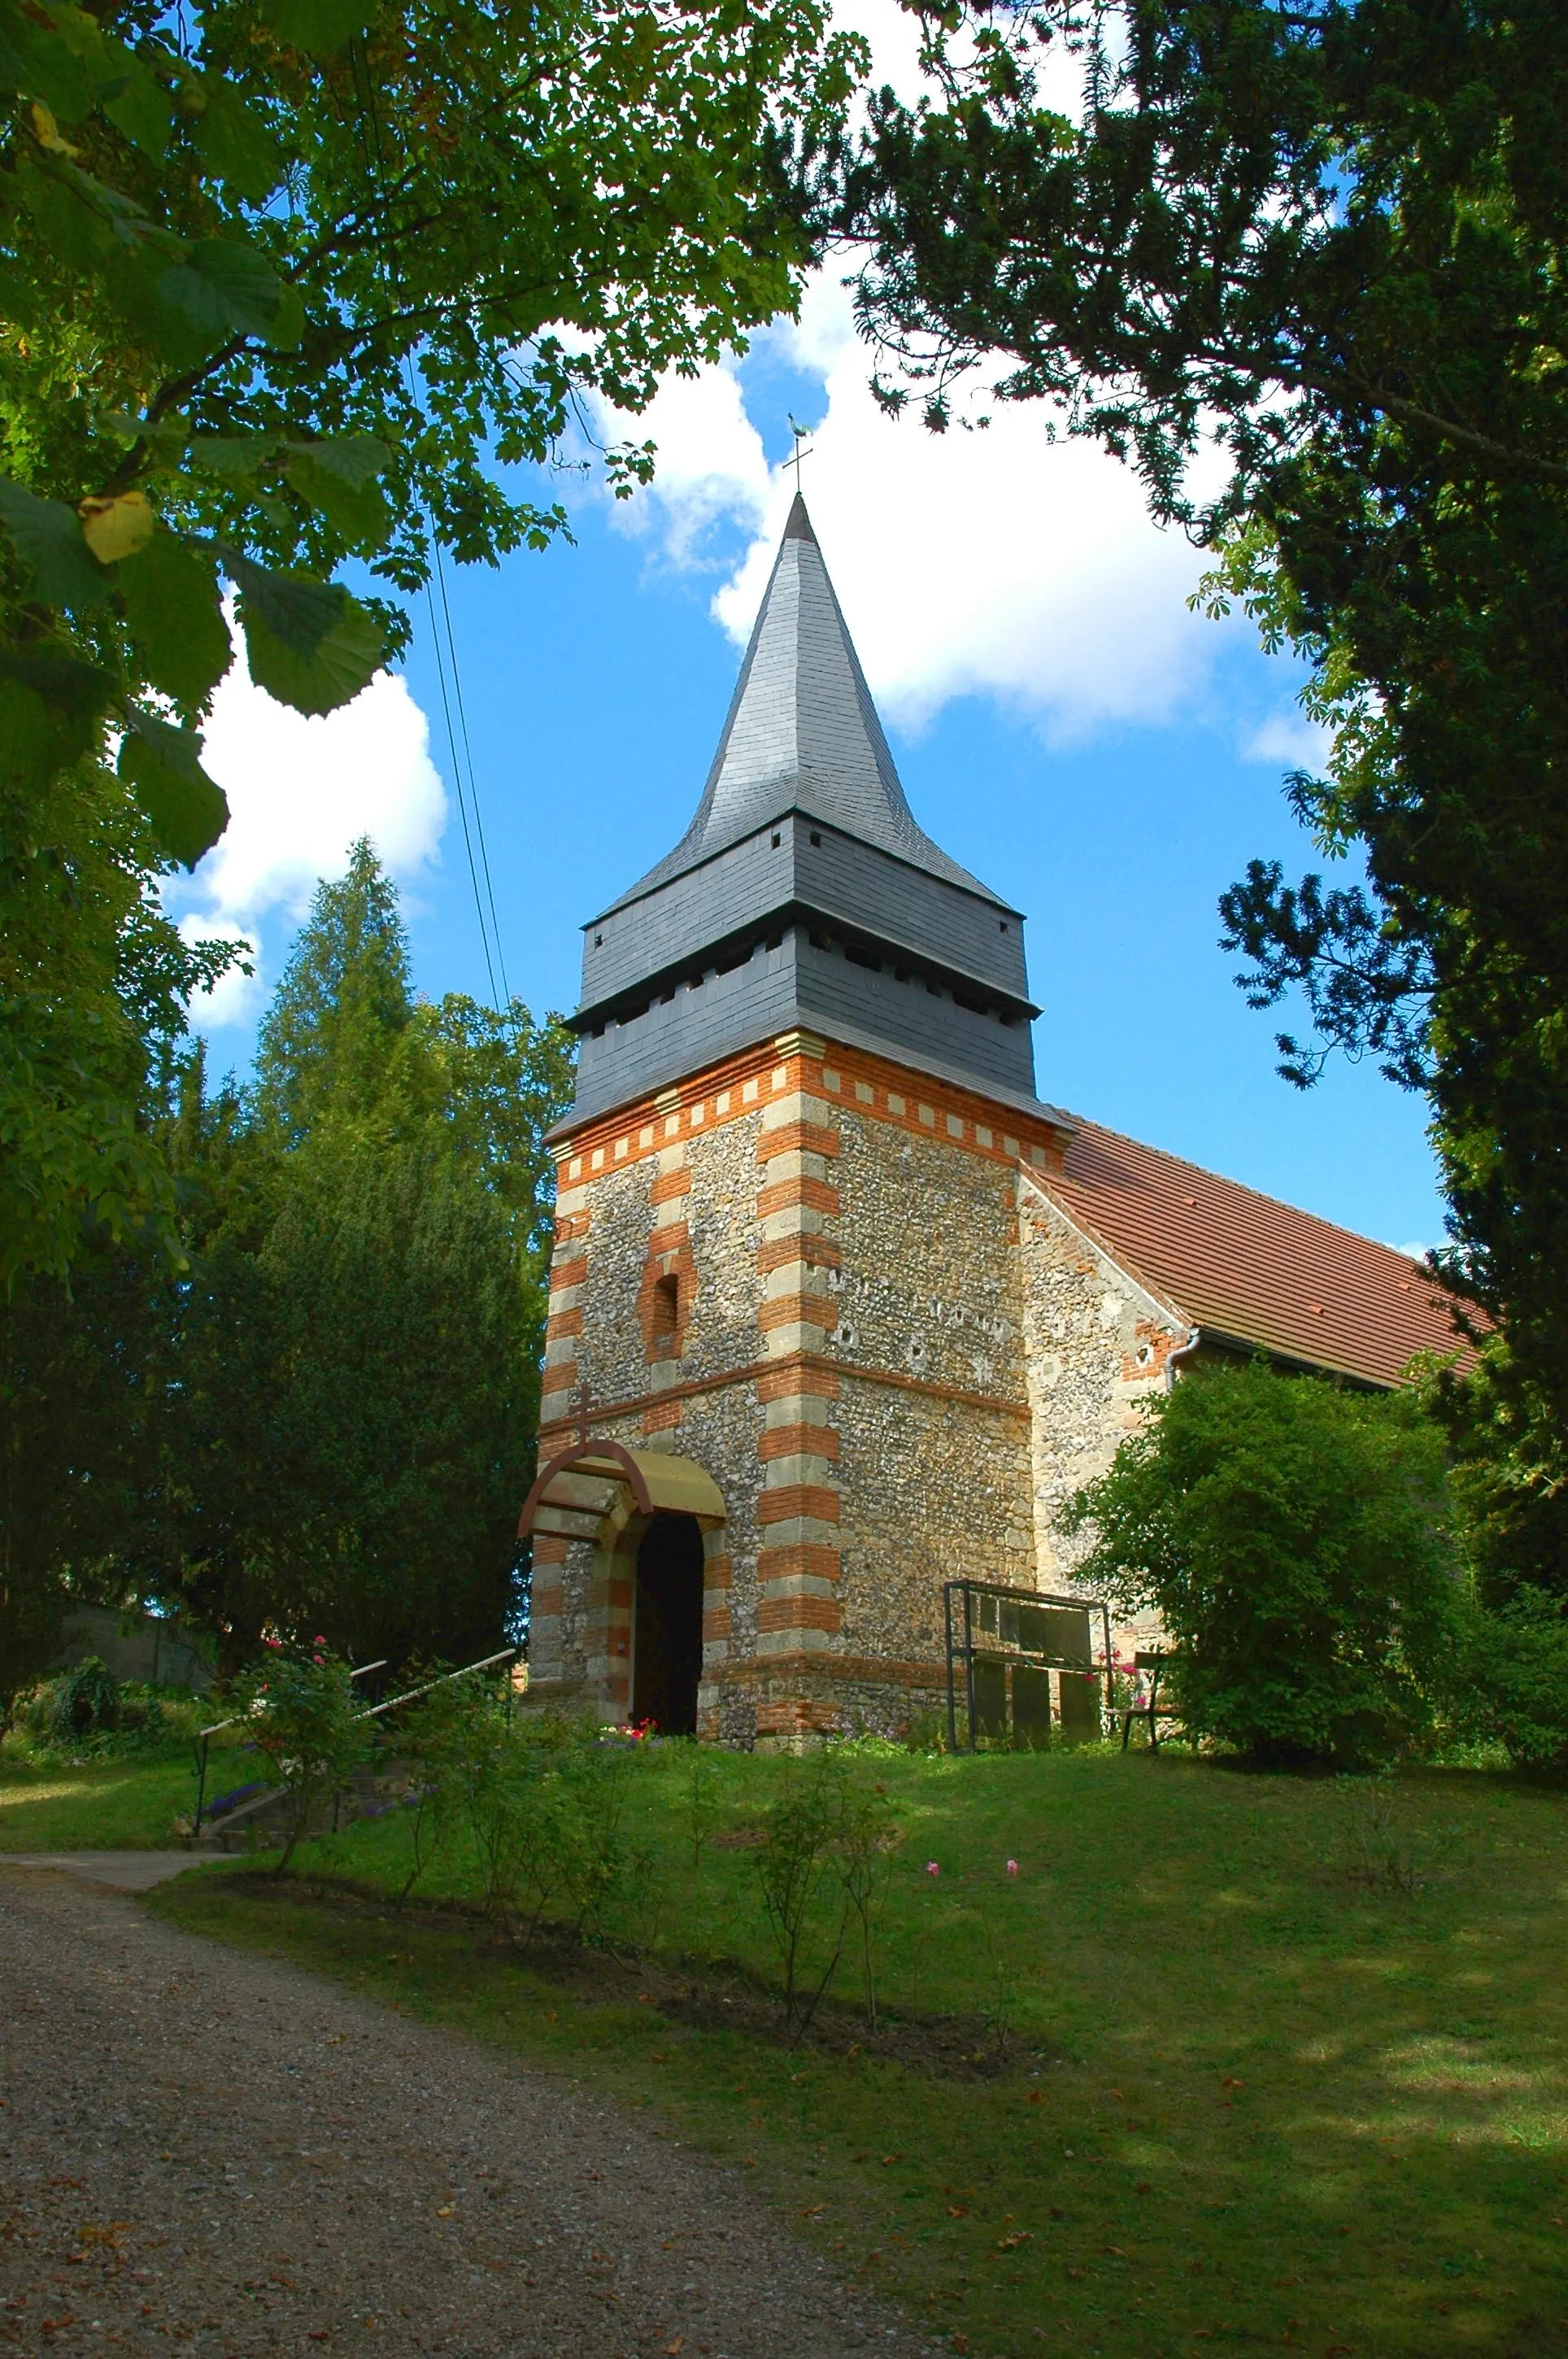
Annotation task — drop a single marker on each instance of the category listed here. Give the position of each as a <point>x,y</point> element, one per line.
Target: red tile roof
<point>1246,1266</point>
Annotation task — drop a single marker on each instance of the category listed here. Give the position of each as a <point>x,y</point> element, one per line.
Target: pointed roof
<point>803,733</point>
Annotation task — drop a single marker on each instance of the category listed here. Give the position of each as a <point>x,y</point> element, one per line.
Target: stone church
<point>840,1309</point>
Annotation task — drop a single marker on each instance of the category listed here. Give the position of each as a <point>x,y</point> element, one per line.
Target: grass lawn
<point>1254,2100</point>
<point>103,1806</point>
<point>129,1804</point>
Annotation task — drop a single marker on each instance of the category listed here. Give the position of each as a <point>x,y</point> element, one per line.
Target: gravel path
<point>202,2150</point>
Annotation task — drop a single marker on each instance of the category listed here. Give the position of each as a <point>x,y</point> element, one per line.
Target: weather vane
<point>800,433</point>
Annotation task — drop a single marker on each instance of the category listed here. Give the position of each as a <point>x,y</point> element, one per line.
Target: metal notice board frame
<point>1035,1614</point>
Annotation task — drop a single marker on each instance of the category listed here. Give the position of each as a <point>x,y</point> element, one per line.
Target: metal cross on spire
<point>800,433</point>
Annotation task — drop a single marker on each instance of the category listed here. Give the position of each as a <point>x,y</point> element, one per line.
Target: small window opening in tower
<point>598,941</point>
<point>777,841</point>
<point>667,1309</point>
<point>816,835</point>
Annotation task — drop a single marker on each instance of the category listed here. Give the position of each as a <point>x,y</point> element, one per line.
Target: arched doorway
<point>666,1625</point>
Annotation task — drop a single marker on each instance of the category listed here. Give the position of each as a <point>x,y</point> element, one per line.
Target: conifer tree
<point>361,1379</point>
<point>325,1421</point>
<point>328,1041</point>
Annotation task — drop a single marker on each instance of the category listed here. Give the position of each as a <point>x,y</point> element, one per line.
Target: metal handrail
<point>373,1712</point>
<point>205,1736</point>
<point>439,1681</point>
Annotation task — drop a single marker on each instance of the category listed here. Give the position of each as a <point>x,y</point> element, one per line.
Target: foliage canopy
<point>285,283</point>
<point>323,1420</point>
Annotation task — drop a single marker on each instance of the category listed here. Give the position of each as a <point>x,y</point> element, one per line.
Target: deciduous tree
<point>288,283</point>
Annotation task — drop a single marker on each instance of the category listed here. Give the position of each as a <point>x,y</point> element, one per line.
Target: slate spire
<point>803,896</point>
<point>802,731</point>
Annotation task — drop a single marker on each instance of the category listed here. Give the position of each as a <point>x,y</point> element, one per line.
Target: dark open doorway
<point>666,1631</point>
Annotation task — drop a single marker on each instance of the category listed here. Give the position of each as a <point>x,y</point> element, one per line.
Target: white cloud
<point>981,562</point>
<point>236,997</point>
<point>711,467</point>
<point>1292,741</point>
<point>301,791</point>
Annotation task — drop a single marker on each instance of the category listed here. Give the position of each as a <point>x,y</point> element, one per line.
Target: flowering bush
<point>307,1723</point>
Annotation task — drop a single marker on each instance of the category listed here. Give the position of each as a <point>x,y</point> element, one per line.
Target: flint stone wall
<point>1096,1346</point>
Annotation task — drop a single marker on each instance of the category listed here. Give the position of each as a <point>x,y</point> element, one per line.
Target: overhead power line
<point>441,627</point>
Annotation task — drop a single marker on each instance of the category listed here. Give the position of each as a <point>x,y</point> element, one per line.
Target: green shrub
<point>1293,1538</point>
<point>540,1798</point>
<point>1516,1667</point>
<point>86,1701</point>
<point>85,1714</point>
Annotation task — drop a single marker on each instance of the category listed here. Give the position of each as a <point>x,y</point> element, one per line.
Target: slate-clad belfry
<point>835,1317</point>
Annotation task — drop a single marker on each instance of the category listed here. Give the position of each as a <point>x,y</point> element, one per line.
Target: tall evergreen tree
<point>328,1040</point>
<point>1331,238</point>
<point>360,1388</point>
<point>326,1420</point>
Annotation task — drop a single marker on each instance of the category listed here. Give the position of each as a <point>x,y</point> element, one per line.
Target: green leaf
<point>339,479</point>
<point>222,287</point>
<point>51,711</point>
<point>288,326</point>
<point>309,644</point>
<point>236,145</point>
<point>38,64</point>
<point>234,457</point>
<point>80,691</point>
<point>354,459</point>
<point>163,765</point>
<point>144,111</point>
<point>48,540</point>
<point>174,606</point>
<point>319,28</point>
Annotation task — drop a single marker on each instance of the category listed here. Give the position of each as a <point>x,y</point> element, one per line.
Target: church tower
<point>785,1394</point>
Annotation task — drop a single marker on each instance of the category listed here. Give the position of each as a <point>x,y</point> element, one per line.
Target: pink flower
<point>318,1640</point>
<point>932,1868</point>
<point>1012,1867</point>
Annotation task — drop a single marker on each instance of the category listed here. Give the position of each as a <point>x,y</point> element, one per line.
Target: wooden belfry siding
<point>851,1373</point>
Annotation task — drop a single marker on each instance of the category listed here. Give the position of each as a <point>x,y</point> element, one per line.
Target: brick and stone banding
<point>851,1372</point>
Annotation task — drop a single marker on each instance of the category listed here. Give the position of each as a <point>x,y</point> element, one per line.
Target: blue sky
<point>1064,725</point>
